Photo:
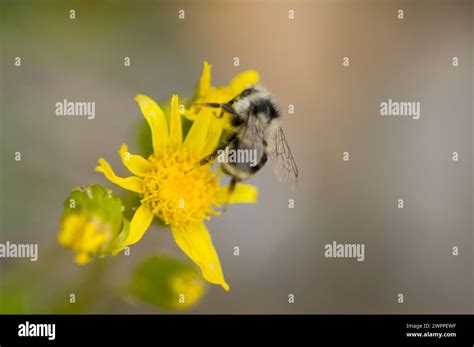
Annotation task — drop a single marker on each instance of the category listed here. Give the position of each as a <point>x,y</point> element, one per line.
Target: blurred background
<point>407,250</point>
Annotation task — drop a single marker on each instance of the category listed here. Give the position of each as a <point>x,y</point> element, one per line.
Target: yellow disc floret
<point>179,191</point>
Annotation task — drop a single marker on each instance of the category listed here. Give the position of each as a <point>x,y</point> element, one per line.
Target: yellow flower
<point>174,188</point>
<point>207,93</point>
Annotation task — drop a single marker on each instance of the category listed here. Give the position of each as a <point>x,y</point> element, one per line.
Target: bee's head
<point>256,100</point>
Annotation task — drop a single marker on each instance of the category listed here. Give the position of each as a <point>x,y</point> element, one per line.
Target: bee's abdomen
<point>243,171</point>
<point>234,170</point>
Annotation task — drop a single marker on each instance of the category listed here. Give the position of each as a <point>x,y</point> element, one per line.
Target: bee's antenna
<point>225,107</point>
<point>208,104</point>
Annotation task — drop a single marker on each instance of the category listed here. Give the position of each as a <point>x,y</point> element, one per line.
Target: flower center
<point>178,191</point>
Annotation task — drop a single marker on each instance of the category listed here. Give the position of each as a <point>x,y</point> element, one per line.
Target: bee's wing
<point>252,133</point>
<point>253,137</point>
<point>280,156</point>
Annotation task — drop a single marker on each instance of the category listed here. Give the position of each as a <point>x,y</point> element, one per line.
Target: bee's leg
<point>213,155</point>
<point>232,184</point>
<point>209,157</point>
<point>221,114</point>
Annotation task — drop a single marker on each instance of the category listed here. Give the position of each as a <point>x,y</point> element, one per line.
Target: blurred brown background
<point>407,250</point>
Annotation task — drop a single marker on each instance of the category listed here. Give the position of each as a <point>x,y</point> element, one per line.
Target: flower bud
<point>92,222</point>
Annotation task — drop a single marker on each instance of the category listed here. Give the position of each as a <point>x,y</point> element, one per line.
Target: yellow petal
<point>243,80</point>
<point>176,130</point>
<point>68,234</point>
<point>242,194</point>
<point>135,163</point>
<point>138,226</point>
<point>82,258</point>
<point>191,115</point>
<point>131,183</point>
<point>197,135</point>
<point>81,235</point>
<point>205,81</point>
<point>215,131</point>
<point>196,242</point>
<point>156,120</point>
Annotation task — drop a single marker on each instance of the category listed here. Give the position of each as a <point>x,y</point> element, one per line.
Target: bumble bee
<point>256,127</point>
